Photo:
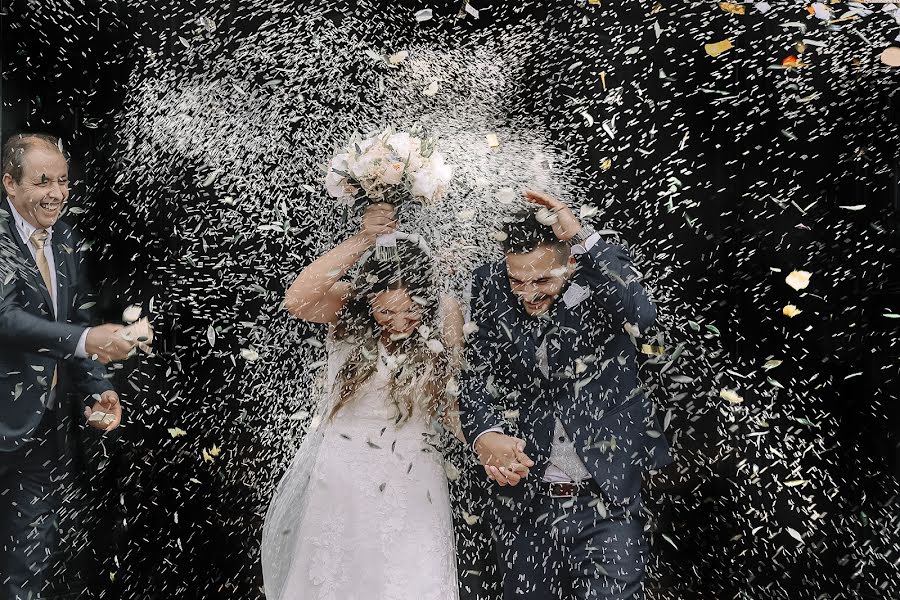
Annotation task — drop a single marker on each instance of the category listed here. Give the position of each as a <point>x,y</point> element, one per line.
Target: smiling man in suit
<point>551,387</point>
<point>47,351</point>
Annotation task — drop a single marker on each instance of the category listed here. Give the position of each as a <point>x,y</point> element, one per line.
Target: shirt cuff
<point>491,430</point>
<point>80,349</point>
<point>588,244</point>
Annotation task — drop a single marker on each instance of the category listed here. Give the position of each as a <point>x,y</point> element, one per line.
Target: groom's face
<point>538,277</point>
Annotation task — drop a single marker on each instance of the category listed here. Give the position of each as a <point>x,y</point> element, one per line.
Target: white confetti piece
<point>131,314</point>
<point>398,57</point>
<point>795,534</point>
<point>731,396</point>
<point>431,89</point>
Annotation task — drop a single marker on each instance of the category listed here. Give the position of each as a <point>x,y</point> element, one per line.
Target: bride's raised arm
<point>318,295</point>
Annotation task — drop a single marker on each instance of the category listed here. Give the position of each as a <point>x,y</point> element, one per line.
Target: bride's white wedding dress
<point>363,513</point>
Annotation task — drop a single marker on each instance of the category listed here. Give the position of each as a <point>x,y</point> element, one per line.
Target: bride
<point>363,513</point>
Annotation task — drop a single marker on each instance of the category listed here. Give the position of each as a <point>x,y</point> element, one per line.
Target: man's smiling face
<point>538,277</point>
<point>43,188</point>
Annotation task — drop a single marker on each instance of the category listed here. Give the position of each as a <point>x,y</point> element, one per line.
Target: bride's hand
<point>503,457</point>
<point>379,219</point>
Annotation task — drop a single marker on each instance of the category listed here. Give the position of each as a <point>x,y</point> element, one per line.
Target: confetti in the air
<point>743,153</point>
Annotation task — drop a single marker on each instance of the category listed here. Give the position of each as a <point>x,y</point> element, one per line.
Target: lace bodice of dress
<point>372,400</point>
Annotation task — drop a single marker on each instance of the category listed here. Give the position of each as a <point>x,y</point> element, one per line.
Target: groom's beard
<point>539,305</point>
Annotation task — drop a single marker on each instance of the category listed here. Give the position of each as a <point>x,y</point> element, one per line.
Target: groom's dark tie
<point>543,330</point>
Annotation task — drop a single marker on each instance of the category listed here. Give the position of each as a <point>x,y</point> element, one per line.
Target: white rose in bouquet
<point>337,183</point>
<point>408,149</point>
<point>430,182</point>
<point>362,164</point>
<point>392,173</point>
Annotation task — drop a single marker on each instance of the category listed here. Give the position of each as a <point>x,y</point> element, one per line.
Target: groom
<point>551,386</point>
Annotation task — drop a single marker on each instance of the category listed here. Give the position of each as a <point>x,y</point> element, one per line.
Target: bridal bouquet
<point>388,167</point>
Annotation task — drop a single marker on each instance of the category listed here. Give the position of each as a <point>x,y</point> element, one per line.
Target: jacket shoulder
<point>489,272</point>
<point>65,232</point>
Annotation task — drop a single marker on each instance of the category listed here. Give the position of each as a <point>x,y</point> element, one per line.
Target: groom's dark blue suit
<point>592,388</point>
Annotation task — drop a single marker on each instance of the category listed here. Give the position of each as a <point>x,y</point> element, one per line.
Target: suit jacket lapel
<point>26,252</point>
<point>62,278</point>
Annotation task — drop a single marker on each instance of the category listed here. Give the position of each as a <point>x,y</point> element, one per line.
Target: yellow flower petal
<point>791,311</point>
<point>717,48</point>
<point>431,90</point>
<point>798,280</point>
<point>398,57</point>
<point>730,7</point>
<point>249,354</point>
<point>131,314</point>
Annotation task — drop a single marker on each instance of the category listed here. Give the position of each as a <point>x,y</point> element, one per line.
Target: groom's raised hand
<point>566,224</point>
<point>503,457</point>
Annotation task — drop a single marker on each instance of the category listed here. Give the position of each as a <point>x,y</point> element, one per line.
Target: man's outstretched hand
<point>106,414</point>
<point>105,343</point>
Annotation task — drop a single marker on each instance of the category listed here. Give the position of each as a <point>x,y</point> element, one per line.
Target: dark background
<point>162,527</point>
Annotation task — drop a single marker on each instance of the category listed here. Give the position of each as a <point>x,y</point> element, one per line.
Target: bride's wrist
<point>363,239</point>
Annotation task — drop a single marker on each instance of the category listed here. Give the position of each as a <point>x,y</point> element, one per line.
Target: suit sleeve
<point>90,377</point>
<point>477,412</point>
<point>25,331</point>
<point>608,271</point>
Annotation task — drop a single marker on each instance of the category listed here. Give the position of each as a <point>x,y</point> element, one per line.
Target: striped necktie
<point>38,238</point>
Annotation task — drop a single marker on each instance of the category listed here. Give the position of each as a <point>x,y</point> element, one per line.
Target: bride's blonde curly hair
<point>421,379</point>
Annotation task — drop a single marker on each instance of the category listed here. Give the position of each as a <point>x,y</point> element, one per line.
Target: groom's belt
<point>568,489</point>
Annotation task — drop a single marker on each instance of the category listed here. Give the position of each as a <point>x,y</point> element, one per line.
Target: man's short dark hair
<point>525,233</point>
<point>18,145</point>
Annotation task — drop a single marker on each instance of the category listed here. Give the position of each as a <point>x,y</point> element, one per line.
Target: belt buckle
<point>562,489</point>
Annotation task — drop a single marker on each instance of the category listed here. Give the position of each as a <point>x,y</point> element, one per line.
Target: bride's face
<point>396,313</point>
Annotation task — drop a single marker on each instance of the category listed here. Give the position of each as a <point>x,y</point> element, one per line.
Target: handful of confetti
<point>141,332</point>
<point>98,416</point>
